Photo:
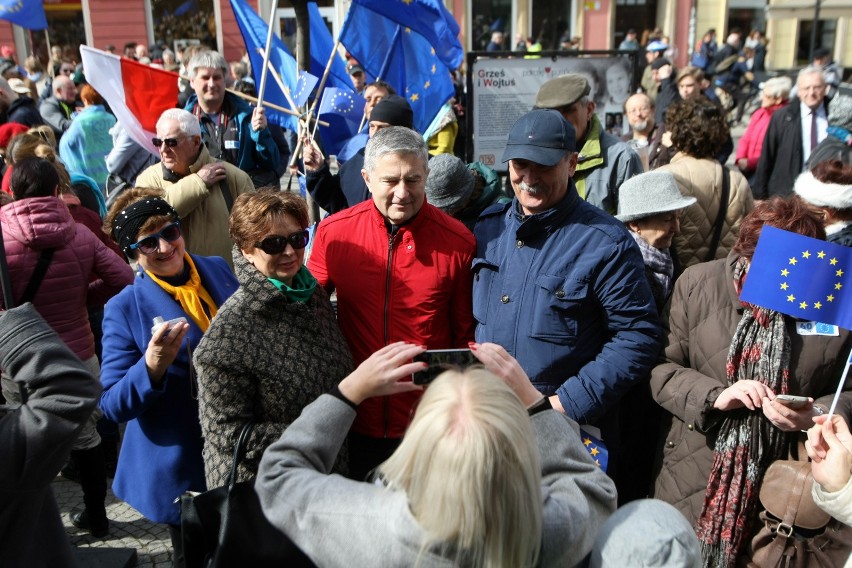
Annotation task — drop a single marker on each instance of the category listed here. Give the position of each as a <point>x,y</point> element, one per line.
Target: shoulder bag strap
<point>38,275</point>
<point>720,217</point>
<point>226,194</point>
<point>240,452</point>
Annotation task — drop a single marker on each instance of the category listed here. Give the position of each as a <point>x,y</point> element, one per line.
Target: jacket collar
<point>730,261</point>
<point>546,222</point>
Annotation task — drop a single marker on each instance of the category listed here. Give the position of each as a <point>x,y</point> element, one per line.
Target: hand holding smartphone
<point>792,401</point>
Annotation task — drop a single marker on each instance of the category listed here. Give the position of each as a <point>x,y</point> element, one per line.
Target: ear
<point>366,177</point>
<point>572,163</point>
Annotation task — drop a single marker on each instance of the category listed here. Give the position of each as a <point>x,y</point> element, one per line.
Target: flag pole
<point>840,386</point>
<point>49,55</point>
<point>278,80</point>
<point>263,72</point>
<point>313,107</point>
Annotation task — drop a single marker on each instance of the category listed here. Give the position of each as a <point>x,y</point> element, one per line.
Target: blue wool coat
<point>161,452</point>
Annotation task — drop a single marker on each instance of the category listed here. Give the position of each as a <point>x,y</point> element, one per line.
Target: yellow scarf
<point>190,296</point>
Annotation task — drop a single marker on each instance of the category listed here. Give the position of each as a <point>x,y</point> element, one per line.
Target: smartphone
<point>439,360</point>
<point>791,401</point>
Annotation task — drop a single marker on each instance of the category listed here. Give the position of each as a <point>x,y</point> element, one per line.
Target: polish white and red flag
<point>136,93</point>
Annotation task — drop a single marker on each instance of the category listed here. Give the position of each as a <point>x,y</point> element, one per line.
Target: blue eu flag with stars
<point>596,448</point>
<point>800,276</point>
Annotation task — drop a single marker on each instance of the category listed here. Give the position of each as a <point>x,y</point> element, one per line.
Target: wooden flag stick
<point>262,85</point>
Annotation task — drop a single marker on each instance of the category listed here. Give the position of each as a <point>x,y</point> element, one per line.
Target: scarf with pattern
<point>747,441</point>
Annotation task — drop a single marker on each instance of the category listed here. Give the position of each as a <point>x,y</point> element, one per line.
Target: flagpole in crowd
<point>265,69</point>
<point>840,385</point>
<point>314,104</point>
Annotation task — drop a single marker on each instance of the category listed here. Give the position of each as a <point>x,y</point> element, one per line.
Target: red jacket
<point>30,225</point>
<point>752,140</point>
<point>415,286</point>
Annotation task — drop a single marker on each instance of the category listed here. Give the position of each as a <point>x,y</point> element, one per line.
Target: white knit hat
<point>823,194</point>
<point>648,194</point>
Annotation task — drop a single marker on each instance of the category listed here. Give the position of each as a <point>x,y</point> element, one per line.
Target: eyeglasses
<point>170,142</point>
<point>151,244</point>
<point>276,243</point>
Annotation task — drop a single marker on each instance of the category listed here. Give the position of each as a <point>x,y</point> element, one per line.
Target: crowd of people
<point>184,295</point>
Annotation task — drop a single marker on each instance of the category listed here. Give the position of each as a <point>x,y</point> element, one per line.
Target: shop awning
<point>804,9</point>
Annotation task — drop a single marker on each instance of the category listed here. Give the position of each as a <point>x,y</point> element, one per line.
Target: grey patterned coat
<point>263,358</point>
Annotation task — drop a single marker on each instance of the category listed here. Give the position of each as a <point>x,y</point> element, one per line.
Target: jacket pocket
<point>484,275</point>
<point>559,302</point>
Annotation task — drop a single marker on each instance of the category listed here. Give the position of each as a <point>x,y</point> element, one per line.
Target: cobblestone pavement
<point>128,529</point>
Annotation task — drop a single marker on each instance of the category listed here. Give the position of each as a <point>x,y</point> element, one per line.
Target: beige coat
<point>704,314</point>
<point>203,211</point>
<point>702,179</point>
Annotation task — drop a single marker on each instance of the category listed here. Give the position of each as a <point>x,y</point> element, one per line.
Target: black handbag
<point>225,526</point>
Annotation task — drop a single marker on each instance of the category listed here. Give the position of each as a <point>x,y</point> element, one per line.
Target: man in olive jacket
<point>201,188</point>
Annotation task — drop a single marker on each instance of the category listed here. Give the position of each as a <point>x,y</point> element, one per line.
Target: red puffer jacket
<point>415,286</point>
<point>31,225</point>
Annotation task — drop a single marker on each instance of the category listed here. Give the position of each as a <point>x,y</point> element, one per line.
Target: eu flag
<point>596,448</point>
<point>28,14</point>
<point>345,103</point>
<point>254,30</point>
<point>403,58</point>
<point>430,19</point>
<point>322,45</point>
<point>304,87</point>
<point>800,276</point>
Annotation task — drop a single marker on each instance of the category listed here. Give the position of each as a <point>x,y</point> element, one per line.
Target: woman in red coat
<point>775,95</point>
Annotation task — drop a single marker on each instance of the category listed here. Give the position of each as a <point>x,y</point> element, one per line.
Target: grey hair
<point>207,59</point>
<point>394,140</point>
<point>778,87</point>
<point>810,70</point>
<point>187,122</point>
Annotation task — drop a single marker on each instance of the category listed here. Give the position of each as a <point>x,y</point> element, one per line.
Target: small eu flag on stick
<point>804,278</point>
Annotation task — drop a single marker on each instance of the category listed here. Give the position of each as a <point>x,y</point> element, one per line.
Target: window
<point>825,37</point>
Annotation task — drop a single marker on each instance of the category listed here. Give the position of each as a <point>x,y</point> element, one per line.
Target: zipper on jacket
<point>386,401</point>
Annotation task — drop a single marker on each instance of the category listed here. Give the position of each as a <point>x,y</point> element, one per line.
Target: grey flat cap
<point>649,194</point>
<point>562,91</point>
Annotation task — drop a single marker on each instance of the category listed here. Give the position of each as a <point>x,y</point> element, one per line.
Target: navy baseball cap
<point>541,136</point>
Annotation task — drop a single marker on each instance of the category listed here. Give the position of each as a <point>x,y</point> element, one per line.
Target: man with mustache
<point>560,284</point>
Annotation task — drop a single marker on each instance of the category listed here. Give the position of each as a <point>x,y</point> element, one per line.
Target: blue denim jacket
<point>564,291</point>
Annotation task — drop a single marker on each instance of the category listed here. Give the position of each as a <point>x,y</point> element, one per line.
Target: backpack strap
<point>38,275</point>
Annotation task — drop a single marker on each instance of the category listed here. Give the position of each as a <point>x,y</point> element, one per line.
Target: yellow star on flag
<point>821,254</point>
<point>791,298</point>
<point>833,261</point>
<point>427,85</point>
<point>806,254</point>
<point>408,30</point>
<point>785,272</point>
<point>793,261</point>
<point>830,298</point>
<point>838,286</point>
<point>587,441</point>
<point>434,68</point>
<point>407,2</point>
<point>803,305</point>
<point>817,305</point>
<point>784,286</point>
<point>594,451</point>
<point>839,273</point>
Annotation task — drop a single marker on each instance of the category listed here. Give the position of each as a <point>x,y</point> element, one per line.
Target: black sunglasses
<point>170,142</point>
<point>276,243</point>
<point>151,244</point>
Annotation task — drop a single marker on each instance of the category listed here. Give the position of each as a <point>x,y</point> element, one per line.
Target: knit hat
<point>394,110</point>
<point>9,130</point>
<point>648,194</point>
<point>449,183</point>
<point>562,91</point>
<point>649,533</point>
<point>840,111</point>
<point>541,136</point>
<point>823,194</point>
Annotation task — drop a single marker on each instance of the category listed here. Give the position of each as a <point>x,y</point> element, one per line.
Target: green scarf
<point>304,285</point>
<point>590,156</point>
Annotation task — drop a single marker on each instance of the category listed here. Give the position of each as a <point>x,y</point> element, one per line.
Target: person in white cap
<point>828,188</point>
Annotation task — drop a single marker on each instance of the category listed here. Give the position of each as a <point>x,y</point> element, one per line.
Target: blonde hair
<point>470,468</point>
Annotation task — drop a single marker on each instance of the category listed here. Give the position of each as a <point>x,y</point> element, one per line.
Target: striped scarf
<point>747,441</point>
